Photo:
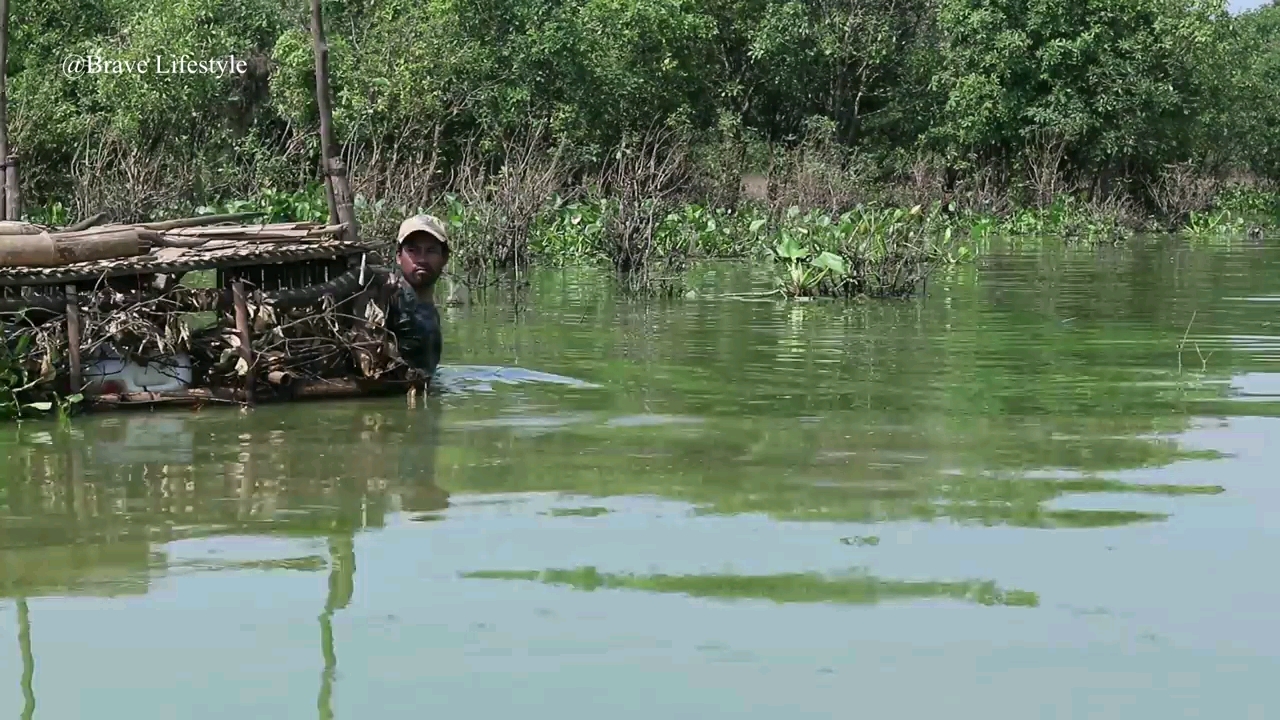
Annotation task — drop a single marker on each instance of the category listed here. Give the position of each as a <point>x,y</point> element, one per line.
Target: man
<point>421,254</point>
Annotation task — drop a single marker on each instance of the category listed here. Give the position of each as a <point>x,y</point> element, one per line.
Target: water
<point>1047,490</point>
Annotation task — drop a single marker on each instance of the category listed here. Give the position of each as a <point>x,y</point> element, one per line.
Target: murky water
<point>1048,489</point>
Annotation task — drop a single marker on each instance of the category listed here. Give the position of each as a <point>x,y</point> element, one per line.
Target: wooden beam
<point>12,195</point>
<point>242,329</point>
<point>73,339</point>
<point>337,174</point>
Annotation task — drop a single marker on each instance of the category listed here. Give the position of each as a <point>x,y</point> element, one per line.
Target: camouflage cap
<point>429,224</point>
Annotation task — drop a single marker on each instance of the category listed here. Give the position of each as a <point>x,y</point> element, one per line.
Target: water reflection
<point>855,588</point>
<point>88,511</point>
<point>950,447</point>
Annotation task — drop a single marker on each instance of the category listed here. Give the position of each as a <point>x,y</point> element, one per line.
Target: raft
<point>197,311</point>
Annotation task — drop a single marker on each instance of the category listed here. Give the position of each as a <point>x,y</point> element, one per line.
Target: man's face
<point>421,259</point>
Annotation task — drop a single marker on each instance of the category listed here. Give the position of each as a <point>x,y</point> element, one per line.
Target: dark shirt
<point>416,325</point>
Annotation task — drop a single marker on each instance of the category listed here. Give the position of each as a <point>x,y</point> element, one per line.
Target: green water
<point>1014,497</point>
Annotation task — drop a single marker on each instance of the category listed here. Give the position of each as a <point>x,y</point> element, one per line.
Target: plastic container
<point>114,375</point>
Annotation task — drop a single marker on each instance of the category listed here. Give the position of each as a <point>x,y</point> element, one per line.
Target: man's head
<point>422,250</point>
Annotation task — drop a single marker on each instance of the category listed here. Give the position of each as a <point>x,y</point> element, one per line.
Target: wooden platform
<point>214,254</point>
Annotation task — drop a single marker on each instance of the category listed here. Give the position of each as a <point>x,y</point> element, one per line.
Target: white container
<point>113,375</point>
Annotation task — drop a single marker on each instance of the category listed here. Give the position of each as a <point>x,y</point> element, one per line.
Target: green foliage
<point>306,205</point>
<point>870,251</point>
<point>1068,217</point>
<point>19,391</point>
<point>1118,86</point>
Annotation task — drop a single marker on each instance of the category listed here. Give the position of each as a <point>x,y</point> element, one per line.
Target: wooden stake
<point>73,339</point>
<point>321,49</point>
<point>337,173</point>
<point>242,329</point>
<point>12,196</point>
<point>4,101</point>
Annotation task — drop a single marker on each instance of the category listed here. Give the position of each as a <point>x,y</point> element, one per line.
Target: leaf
<point>756,225</point>
<point>374,315</point>
<point>789,249</point>
<point>73,399</point>
<point>242,367</point>
<point>832,263</point>
<point>41,406</point>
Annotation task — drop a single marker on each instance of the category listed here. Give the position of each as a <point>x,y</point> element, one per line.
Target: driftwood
<point>54,249</point>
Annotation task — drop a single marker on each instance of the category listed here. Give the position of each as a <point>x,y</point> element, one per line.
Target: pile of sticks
<point>27,245</point>
<point>256,350</point>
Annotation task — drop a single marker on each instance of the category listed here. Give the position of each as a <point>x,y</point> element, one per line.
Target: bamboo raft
<point>298,310</point>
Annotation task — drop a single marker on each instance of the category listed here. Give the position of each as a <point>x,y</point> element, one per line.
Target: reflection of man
<point>417,482</point>
<point>421,254</point>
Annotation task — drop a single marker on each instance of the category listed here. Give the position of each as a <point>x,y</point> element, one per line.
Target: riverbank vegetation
<point>854,145</point>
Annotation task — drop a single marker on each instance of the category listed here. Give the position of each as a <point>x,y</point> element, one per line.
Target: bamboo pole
<point>4,102</point>
<point>336,184</point>
<point>13,196</point>
<point>337,173</point>
<point>321,49</point>
<point>199,220</point>
<point>73,339</point>
<point>242,329</point>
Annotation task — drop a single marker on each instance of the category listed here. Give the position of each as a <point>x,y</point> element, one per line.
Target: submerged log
<point>344,388</point>
<point>183,398</point>
<point>197,397</point>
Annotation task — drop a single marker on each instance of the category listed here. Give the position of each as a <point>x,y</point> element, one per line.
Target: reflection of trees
<point>341,585</point>
<point>266,479</point>
<point>801,471</point>
<point>28,660</point>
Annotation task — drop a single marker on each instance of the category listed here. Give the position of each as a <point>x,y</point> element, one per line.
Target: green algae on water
<point>854,588</point>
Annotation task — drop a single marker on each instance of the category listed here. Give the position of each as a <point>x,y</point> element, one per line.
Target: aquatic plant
<point>871,251</point>
<point>21,393</point>
<point>1221,222</point>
